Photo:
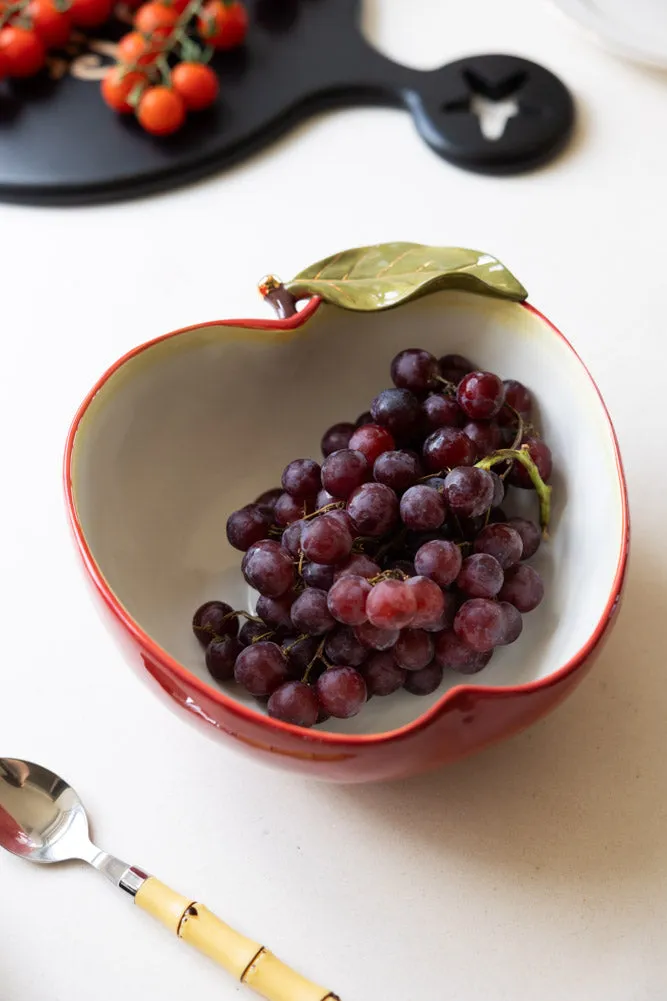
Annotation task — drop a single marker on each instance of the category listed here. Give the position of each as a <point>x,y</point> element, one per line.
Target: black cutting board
<point>59,144</point>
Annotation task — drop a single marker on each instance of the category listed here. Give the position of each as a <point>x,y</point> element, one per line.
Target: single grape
<point>436,483</point>
<point>398,410</point>
<point>498,489</point>
<point>391,605</point>
<point>276,611</point>
<point>359,564</point>
<point>374,638</point>
<point>430,602</point>
<point>373,508</point>
<point>372,440</point>
<point>413,541</point>
<point>530,535</point>
<point>310,613</point>
<point>422,508</point>
<point>397,470</point>
<point>447,448</point>
<point>341,692</point>
<point>469,491</point>
<point>291,538</point>
<point>480,395</point>
<point>424,682</point>
<point>326,540</point>
<point>261,668</point>
<point>540,453</point>
<point>440,560</point>
<point>347,600</point>
<point>295,702</point>
<point>501,541</point>
<point>343,647</point>
<point>518,398</point>
<point>513,623</point>
<point>252,631</point>
<point>268,499</point>
<point>454,367</point>
<point>247,526</point>
<point>452,652</point>
<point>221,656</point>
<point>382,674</point>
<point>287,509</point>
<point>485,436</point>
<point>523,588</point>
<point>342,517</point>
<point>337,437</point>
<point>480,623</point>
<point>317,575</point>
<point>363,419</point>
<point>416,370</point>
<point>414,649</point>
<point>481,576</point>
<point>300,651</point>
<point>269,570</point>
<point>301,479</point>
<point>323,499</point>
<point>213,620</point>
<point>344,471</point>
<point>441,411</point>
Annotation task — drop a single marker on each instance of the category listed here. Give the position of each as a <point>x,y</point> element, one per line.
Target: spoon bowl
<point>41,817</point>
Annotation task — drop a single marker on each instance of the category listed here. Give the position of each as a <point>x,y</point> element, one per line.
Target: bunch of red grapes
<point>393,560</point>
<point>162,72</point>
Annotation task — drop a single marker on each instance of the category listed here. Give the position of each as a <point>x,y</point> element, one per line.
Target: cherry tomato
<point>117,86</point>
<point>135,50</point>
<point>53,26</point>
<point>4,65</point>
<point>152,16</point>
<point>179,5</point>
<point>196,83</point>
<point>224,26</point>
<point>161,111</point>
<point>90,13</point>
<point>22,50</point>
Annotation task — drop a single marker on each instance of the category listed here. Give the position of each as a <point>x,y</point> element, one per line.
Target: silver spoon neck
<point>127,877</point>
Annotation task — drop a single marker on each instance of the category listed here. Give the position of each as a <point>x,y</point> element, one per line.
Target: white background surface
<point>537,870</point>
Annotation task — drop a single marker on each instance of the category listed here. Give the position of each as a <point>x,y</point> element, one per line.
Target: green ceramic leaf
<point>387,274</point>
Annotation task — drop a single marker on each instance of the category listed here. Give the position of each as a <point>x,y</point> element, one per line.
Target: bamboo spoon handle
<point>246,960</point>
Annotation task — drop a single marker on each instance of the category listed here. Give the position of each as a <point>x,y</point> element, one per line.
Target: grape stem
<point>388,575</point>
<point>318,656</point>
<point>335,505</point>
<point>543,491</point>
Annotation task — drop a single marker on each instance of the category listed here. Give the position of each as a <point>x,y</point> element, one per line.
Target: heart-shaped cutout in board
<point>60,144</point>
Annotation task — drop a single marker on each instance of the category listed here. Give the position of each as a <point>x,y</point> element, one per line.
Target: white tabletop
<point>535,870</point>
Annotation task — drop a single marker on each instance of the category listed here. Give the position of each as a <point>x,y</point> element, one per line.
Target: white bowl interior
<point>200,424</point>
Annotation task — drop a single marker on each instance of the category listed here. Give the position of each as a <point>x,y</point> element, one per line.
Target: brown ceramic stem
<point>275,293</point>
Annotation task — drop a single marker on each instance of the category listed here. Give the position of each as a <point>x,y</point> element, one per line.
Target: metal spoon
<point>43,820</point>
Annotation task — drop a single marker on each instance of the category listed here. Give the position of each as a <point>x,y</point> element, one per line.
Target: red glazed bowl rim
<point>247,714</point>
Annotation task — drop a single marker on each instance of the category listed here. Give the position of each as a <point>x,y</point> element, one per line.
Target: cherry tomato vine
<point>162,71</point>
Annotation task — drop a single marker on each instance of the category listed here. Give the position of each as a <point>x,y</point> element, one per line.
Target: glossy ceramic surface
<point>635,30</point>
<point>185,429</point>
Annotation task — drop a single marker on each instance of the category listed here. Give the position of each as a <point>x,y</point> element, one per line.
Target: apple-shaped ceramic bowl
<point>187,428</point>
